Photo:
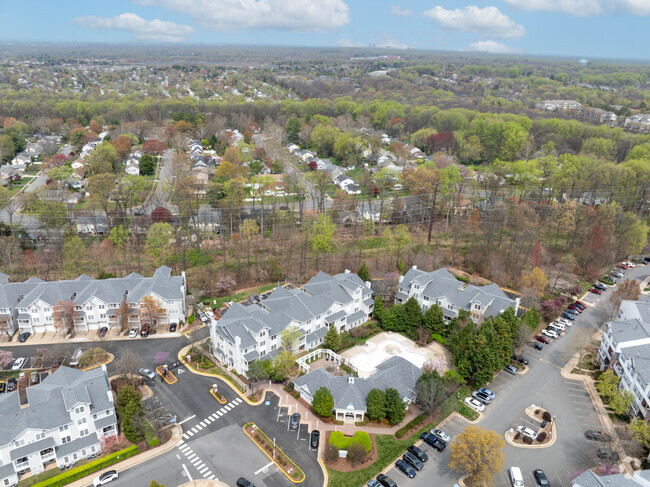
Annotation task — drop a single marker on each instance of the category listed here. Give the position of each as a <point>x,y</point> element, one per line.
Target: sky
<point>613,29</point>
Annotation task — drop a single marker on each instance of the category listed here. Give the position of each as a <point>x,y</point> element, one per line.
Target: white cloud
<point>579,8</point>
<point>400,11</point>
<point>390,42</point>
<point>233,15</point>
<point>634,7</point>
<point>350,43</point>
<point>148,30</point>
<point>492,46</point>
<point>488,21</point>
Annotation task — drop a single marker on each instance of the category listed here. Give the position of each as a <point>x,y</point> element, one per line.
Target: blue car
<point>568,316</point>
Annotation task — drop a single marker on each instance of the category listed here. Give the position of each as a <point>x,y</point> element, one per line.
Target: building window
<point>273,337</point>
<point>48,318</point>
<point>36,320</point>
<point>79,410</point>
<point>81,421</point>
<point>273,347</point>
<point>89,308</point>
<point>46,309</point>
<point>40,436</point>
<point>102,306</point>
<point>84,432</point>
<point>102,316</point>
<point>262,344</point>
<point>78,308</point>
<point>19,443</point>
<point>63,428</point>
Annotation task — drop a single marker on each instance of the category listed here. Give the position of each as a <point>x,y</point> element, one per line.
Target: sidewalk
<point>590,386</point>
<point>177,434</point>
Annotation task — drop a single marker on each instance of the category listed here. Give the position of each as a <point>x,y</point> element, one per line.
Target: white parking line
<point>187,419</point>
<point>187,473</point>
<point>222,410</point>
<point>211,477</point>
<point>264,468</point>
<point>227,406</point>
<point>220,413</point>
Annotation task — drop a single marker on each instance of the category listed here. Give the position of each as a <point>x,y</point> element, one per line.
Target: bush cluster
<point>344,442</point>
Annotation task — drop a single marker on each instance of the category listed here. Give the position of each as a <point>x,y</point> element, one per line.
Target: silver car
<point>147,373</point>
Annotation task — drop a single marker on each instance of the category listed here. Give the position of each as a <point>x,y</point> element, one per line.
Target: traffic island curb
<point>530,412</point>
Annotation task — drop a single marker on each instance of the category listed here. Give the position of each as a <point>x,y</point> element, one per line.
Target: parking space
<point>583,405</point>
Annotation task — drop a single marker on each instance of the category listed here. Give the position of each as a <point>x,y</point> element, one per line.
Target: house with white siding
<point>247,333</point>
<point>67,418</point>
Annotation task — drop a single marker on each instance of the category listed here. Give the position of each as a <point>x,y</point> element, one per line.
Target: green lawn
<point>237,297</point>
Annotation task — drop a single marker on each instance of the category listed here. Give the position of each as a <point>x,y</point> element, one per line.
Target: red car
<point>542,339</point>
<point>580,305</point>
<point>622,266</point>
<point>576,308</point>
<point>595,291</point>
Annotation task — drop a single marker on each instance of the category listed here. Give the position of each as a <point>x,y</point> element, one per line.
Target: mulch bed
<point>344,465</point>
<point>287,465</point>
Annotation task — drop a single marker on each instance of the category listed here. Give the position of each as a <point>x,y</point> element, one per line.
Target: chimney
<point>347,271</point>
<point>415,268</point>
<point>401,278</point>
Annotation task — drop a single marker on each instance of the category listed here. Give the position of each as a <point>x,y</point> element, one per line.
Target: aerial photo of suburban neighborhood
<point>325,243</point>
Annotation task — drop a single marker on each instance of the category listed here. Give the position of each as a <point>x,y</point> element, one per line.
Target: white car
<point>550,333</point>
<point>134,332</point>
<point>105,478</point>
<point>557,326</point>
<point>564,321</point>
<point>630,264</point>
<point>474,404</point>
<point>527,432</point>
<point>18,364</point>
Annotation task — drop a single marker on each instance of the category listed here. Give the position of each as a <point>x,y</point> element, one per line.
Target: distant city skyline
<point>575,28</point>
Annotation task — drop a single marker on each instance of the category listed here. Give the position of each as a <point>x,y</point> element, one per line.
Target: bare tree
<point>63,316</point>
<point>627,290</point>
<point>6,325</point>
<point>128,363</point>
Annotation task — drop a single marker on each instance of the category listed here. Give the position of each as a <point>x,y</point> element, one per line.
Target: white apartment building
<point>640,122</point>
<point>442,288</point>
<point>66,419</point>
<point>555,105</point>
<point>247,333</point>
<point>31,305</point>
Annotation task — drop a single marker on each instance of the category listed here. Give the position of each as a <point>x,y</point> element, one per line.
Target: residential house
<point>96,225</point>
<point>247,333</point>
<point>293,148</point>
<point>559,105</point>
<point>32,305</point>
<point>597,116</point>
<point>12,171</point>
<point>207,219</point>
<point>22,158</point>
<point>442,288</point>
<point>305,155</point>
<point>350,393</point>
<point>639,122</point>
<point>67,418</point>
<point>132,169</point>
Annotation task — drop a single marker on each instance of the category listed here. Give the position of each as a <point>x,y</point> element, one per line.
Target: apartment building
<point>67,417</point>
<point>247,333</point>
<point>37,306</point>
<point>640,122</point>
<point>442,288</point>
<point>625,348</point>
<point>597,116</point>
<point>556,105</point>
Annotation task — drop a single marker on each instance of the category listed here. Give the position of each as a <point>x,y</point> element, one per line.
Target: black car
<point>172,328</point>
<point>520,358</point>
<point>24,336</point>
<point>433,441</point>
<point>385,480</point>
<point>242,482</point>
<point>413,461</point>
<point>423,457</point>
<point>102,332</point>
<point>607,455</point>
<point>144,333</point>
<point>11,384</point>
<point>405,468</point>
<point>540,478</point>
<point>538,346</point>
<point>314,439</point>
<point>294,422</point>
<point>595,435</point>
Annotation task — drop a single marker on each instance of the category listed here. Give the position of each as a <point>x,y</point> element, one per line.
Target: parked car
<point>18,364</point>
<point>433,441</point>
<point>24,336</point>
<point>488,392</point>
<point>622,266</point>
<point>474,404</point>
<point>484,398</point>
<point>556,326</point>
<point>617,273</point>
<point>575,308</point>
<point>441,434</point>
<point>105,478</point>
<point>3,386</point>
<point>595,435</point>
<point>406,468</point>
<point>147,373</point>
<point>11,384</point>
<point>580,304</point>
<point>607,455</point>
<point>34,378</point>
<point>564,321</point>
<point>540,478</point>
<point>294,423</point>
<point>314,439</point>
<point>600,286</point>
<point>133,333</point>
<point>538,346</point>
<point>527,432</point>
<point>571,311</point>
<point>542,339</point>
<point>102,332</point>
<point>413,461</point>
<point>172,328</point>
<point>385,480</point>
<point>373,483</point>
<point>511,369</point>
<point>520,358</point>
<point>595,291</point>
<point>242,482</point>
<point>423,457</point>
<point>144,333</point>
<point>629,265</point>
<point>549,333</point>
<point>568,316</point>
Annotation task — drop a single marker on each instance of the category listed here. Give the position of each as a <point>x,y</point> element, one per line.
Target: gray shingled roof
<point>589,479</point>
<point>76,445</point>
<point>7,470</point>
<point>35,447</point>
<point>106,421</point>
<point>628,330</point>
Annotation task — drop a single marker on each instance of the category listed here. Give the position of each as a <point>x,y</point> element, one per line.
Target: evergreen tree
<point>413,314</point>
<point>379,310</point>
<point>394,406</point>
<point>364,272</point>
<point>333,339</point>
<point>147,165</point>
<point>433,320</point>
<point>375,405</point>
<point>323,402</point>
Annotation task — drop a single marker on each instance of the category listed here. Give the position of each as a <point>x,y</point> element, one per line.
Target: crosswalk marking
<point>191,457</point>
<point>202,424</point>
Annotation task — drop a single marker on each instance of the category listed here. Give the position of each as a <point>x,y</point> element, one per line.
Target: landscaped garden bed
<point>527,436</point>
<point>361,451</point>
<point>285,463</point>
<point>217,395</point>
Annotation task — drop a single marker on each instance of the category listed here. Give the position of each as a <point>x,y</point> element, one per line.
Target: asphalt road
<point>542,385</point>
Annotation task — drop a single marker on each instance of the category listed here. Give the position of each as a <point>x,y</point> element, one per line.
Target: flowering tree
<point>6,358</point>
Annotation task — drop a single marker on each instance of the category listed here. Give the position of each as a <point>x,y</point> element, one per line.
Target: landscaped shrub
<point>547,416</point>
<point>541,437</point>
<point>537,411</point>
<point>517,436</point>
<point>357,453</point>
<point>331,453</point>
<point>343,442</point>
<point>410,425</point>
<point>439,339</point>
<point>528,440</point>
<point>90,467</point>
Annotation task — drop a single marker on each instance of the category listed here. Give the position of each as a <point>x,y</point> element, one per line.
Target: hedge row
<point>410,425</point>
<point>88,468</point>
<point>343,442</point>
